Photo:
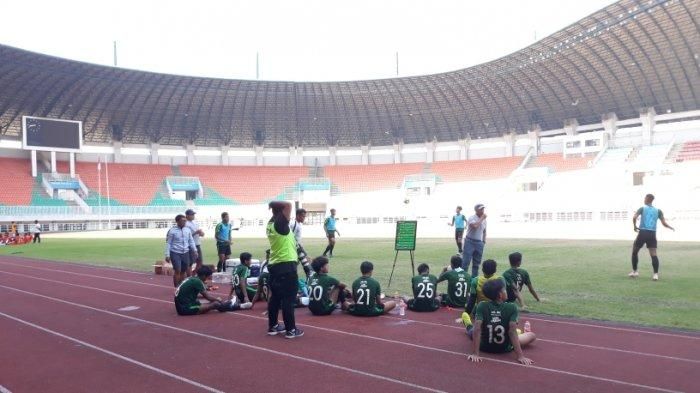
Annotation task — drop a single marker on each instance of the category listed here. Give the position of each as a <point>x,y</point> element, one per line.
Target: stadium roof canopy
<point>627,56</point>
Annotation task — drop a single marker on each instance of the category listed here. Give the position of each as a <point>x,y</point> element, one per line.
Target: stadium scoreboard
<point>405,235</point>
<point>40,133</point>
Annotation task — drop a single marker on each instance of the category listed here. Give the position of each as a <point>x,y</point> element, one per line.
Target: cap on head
<point>479,206</point>
<point>190,212</point>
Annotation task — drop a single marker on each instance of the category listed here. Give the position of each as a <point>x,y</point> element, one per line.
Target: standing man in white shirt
<point>475,240</point>
<point>179,245</point>
<point>197,233</point>
<point>37,232</point>
<point>296,229</point>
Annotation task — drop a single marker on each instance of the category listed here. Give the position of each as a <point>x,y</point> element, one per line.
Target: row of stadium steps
<point>687,151</point>
<point>557,163</point>
<point>614,157</point>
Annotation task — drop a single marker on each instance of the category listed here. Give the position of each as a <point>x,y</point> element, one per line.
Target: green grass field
<point>586,279</point>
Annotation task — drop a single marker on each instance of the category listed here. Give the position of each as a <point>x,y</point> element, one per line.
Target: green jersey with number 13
<point>496,319</point>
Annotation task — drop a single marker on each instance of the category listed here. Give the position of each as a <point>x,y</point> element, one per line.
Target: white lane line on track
<point>557,371</point>
<point>383,316</point>
<point>189,332</point>
<point>4,389</point>
<point>113,354</point>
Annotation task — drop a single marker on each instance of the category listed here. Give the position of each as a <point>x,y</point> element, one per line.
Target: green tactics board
<point>405,235</point>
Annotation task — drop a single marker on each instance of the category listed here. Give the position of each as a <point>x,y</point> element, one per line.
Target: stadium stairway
<point>557,163</point>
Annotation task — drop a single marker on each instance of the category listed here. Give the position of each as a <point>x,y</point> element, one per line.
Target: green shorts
<point>321,309</point>
<point>375,311</point>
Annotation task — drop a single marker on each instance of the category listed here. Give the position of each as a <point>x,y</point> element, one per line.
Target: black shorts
<point>187,310</point>
<point>223,249</point>
<point>645,237</point>
<point>330,234</point>
<point>459,234</point>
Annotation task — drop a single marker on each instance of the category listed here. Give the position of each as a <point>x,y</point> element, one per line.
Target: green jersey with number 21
<point>496,319</point>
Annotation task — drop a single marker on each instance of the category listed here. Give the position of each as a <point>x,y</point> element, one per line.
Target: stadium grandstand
<point>610,103</point>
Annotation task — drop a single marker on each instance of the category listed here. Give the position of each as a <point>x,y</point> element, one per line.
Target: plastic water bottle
<point>402,308</point>
<point>527,327</point>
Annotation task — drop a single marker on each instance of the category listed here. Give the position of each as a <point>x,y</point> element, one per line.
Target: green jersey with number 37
<point>496,319</point>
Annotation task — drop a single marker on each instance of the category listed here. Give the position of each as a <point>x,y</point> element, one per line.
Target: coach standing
<point>179,245</point>
<point>197,232</point>
<point>475,240</point>
<point>283,270</point>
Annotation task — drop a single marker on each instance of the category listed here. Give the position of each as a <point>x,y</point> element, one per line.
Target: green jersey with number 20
<point>320,287</point>
<point>496,319</point>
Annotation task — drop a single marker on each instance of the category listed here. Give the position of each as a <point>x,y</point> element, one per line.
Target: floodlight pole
<point>397,63</point>
<point>109,204</point>
<point>115,52</point>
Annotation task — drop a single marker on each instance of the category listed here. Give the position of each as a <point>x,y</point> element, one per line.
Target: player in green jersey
<point>424,287</point>
<point>239,280</point>
<point>476,294</point>
<point>325,291</point>
<point>515,278</point>
<point>366,293</point>
<point>495,327</point>
<point>457,283</point>
<point>186,294</point>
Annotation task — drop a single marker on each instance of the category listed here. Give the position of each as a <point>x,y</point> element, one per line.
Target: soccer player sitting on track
<point>326,291</point>
<point>495,327</point>
<point>366,293</point>
<point>424,287</point>
<point>186,302</point>
<point>239,280</point>
<point>457,283</point>
<point>515,278</point>
<point>476,294</point>
<point>263,290</point>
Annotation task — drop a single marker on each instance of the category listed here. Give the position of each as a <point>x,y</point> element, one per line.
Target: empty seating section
<point>16,180</point>
<point>130,184</point>
<point>651,155</point>
<point>689,151</point>
<point>246,184</point>
<point>478,169</point>
<point>558,163</point>
<point>614,157</point>
<point>358,178</point>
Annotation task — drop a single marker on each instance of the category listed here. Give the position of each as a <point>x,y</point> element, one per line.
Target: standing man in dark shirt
<point>283,271</point>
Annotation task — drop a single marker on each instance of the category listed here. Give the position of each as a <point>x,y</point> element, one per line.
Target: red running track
<point>65,321</point>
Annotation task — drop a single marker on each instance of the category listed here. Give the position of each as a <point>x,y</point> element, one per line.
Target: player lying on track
<point>476,294</point>
<point>515,278</point>
<point>326,291</point>
<point>186,302</point>
<point>366,293</point>
<point>424,287</point>
<point>457,283</point>
<point>495,325</point>
<point>239,281</point>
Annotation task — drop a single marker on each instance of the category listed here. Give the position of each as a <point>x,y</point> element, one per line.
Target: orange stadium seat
<point>130,184</point>
<point>558,163</point>
<point>17,181</point>
<point>479,169</point>
<point>357,178</point>
<point>246,184</point>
